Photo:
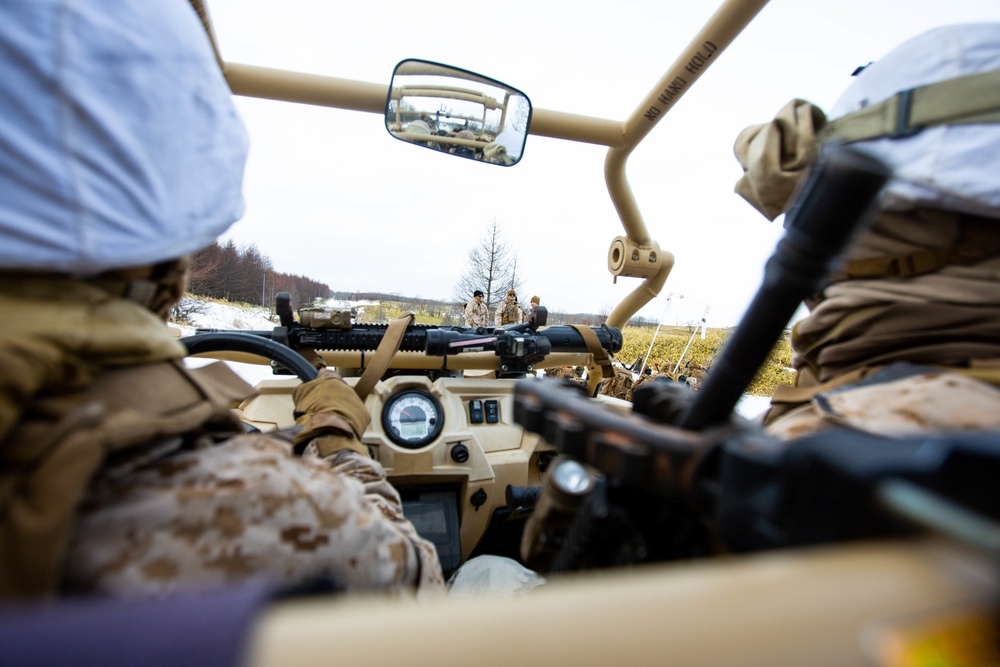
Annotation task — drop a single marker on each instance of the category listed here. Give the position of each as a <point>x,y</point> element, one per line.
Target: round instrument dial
<point>412,418</point>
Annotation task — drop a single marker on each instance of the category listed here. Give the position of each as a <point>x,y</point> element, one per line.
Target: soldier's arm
<point>329,421</point>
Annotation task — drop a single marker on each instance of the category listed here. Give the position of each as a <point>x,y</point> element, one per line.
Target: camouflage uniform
<point>567,374</point>
<point>620,386</point>
<point>644,379</point>
<point>123,472</point>
<point>246,508</point>
<point>509,313</point>
<point>903,338</point>
<point>477,314</point>
<point>560,372</point>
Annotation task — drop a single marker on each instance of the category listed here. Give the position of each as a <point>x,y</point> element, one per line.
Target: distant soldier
<point>509,311</point>
<point>477,313</point>
<point>531,307</point>
<point>646,376</point>
<point>696,373</point>
<point>560,372</point>
<point>572,374</point>
<point>620,386</point>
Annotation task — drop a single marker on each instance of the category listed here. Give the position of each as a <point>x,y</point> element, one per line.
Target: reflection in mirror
<point>457,112</point>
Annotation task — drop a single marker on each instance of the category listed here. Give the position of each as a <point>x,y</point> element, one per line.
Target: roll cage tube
<point>717,34</point>
<point>634,255</point>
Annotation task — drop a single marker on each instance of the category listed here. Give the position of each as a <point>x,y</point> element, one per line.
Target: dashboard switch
<point>476,411</point>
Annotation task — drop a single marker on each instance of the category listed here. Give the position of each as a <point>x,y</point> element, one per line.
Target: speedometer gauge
<point>412,418</point>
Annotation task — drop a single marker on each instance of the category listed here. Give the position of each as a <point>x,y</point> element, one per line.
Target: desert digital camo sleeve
<point>127,474</point>
<point>249,507</point>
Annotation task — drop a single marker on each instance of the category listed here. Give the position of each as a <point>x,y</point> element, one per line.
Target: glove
<point>329,415</point>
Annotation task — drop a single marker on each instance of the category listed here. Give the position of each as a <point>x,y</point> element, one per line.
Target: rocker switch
<point>492,412</point>
<point>476,412</point>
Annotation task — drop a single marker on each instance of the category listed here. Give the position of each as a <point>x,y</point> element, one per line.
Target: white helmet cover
<point>954,167</point>
<point>120,144</point>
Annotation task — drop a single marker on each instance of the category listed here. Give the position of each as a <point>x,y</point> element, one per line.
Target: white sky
<point>332,196</point>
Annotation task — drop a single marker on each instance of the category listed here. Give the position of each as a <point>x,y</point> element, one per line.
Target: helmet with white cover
<point>120,144</point>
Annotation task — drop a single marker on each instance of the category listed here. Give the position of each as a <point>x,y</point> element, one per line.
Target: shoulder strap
<point>974,98</point>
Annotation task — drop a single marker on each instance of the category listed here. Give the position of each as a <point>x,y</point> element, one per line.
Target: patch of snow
<point>211,315</point>
<point>752,407</point>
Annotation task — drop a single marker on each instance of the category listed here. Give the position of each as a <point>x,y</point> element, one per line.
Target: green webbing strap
<point>974,98</point>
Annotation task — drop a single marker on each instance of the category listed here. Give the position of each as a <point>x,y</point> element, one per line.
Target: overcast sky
<point>332,196</point>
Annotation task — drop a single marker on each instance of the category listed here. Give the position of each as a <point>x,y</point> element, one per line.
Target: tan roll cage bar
<point>635,254</point>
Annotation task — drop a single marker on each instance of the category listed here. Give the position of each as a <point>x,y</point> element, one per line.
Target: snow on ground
<point>210,315</point>
<point>752,406</point>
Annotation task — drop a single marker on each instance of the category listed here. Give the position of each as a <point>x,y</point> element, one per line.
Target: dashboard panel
<point>452,436</point>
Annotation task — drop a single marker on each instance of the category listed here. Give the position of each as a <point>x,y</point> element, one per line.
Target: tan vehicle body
<point>855,604</point>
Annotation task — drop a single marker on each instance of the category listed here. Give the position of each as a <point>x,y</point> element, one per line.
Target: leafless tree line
<point>245,275</point>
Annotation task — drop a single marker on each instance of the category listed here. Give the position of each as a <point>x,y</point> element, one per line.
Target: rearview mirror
<point>457,112</point>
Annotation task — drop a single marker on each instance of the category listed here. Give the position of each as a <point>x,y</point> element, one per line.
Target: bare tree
<point>492,267</point>
<point>513,280</point>
<point>204,265</point>
<point>245,274</point>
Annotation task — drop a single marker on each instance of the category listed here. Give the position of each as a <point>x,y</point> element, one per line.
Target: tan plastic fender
<point>826,606</point>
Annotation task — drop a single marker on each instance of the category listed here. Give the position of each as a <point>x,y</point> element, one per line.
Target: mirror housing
<point>457,112</point>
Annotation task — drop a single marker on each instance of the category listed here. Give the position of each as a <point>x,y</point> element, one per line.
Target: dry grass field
<point>680,344</point>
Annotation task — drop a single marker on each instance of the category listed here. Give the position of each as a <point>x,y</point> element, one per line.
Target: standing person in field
<point>535,301</point>
<point>509,312</point>
<point>477,313</point>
